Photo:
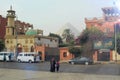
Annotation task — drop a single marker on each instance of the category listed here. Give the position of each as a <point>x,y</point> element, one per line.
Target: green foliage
<point>75,51</point>
<point>67,36</point>
<point>117,42</point>
<point>87,38</point>
<point>91,34</point>
<point>84,37</point>
<point>118,45</point>
<point>2,45</point>
<point>57,36</point>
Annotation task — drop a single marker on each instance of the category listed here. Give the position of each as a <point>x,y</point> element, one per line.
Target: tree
<point>75,50</point>
<point>2,45</point>
<point>67,36</point>
<point>118,43</point>
<point>57,36</point>
<point>87,38</point>
<point>91,34</point>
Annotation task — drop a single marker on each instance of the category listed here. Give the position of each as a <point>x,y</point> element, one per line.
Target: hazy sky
<point>51,15</point>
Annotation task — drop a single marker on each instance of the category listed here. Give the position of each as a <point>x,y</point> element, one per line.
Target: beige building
<point>25,42</point>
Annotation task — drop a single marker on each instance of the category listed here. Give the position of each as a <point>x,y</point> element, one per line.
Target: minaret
<point>10,22</point>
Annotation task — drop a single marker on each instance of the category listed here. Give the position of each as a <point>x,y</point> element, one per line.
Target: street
<point>40,71</point>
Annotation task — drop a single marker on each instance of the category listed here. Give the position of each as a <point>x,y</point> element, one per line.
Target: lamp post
<point>16,37</point>
<point>115,26</point>
<point>115,43</point>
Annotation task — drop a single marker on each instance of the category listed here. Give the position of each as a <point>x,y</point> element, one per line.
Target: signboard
<point>104,44</point>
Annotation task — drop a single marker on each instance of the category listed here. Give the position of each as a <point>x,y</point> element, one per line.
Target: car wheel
<point>19,60</point>
<point>86,63</point>
<point>30,61</point>
<point>72,63</point>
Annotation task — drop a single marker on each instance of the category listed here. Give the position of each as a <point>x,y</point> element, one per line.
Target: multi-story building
<point>3,23</point>
<point>21,29</point>
<point>107,24</point>
<point>26,41</point>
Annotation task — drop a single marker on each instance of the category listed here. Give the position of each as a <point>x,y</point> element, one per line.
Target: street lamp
<point>116,4</point>
<point>16,35</point>
<point>115,42</point>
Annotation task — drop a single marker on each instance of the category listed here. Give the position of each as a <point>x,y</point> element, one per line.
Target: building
<point>21,29</point>
<point>3,23</point>
<point>65,55</point>
<point>25,39</point>
<point>111,16</point>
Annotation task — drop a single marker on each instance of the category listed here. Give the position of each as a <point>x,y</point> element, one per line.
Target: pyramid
<point>73,30</point>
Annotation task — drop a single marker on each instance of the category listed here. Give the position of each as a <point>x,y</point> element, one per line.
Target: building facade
<point>21,28</point>
<point>26,41</point>
<point>3,23</point>
<point>107,24</point>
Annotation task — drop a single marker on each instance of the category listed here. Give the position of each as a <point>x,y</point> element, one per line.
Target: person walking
<point>10,56</point>
<point>52,65</point>
<point>57,66</point>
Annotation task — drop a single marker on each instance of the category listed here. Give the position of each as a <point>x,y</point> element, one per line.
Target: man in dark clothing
<point>52,65</point>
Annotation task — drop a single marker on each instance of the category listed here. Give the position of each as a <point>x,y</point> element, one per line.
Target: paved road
<point>40,71</point>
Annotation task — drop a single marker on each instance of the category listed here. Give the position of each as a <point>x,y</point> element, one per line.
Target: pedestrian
<point>10,56</point>
<point>52,65</point>
<point>34,58</point>
<point>4,58</point>
<point>57,66</point>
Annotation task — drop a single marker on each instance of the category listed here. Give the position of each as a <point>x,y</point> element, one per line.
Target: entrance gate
<point>103,55</point>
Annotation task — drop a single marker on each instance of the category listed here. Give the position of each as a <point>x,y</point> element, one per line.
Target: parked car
<point>28,57</point>
<point>7,56</point>
<point>81,60</point>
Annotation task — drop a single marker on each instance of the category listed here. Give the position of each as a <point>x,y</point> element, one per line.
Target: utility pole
<point>16,36</point>
<point>115,43</point>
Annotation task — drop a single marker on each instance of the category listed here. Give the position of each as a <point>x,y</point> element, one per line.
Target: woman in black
<point>52,65</point>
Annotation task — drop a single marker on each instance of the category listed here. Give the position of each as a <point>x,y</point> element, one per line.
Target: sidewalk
<point>107,62</point>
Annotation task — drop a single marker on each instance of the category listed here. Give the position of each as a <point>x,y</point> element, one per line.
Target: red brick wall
<point>3,23</point>
<point>68,57</point>
<point>41,49</point>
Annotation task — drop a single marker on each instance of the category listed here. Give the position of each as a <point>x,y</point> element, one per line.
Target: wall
<point>3,23</point>
<point>68,56</point>
<point>114,56</point>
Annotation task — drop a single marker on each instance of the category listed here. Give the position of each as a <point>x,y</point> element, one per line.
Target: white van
<point>28,57</point>
<point>7,56</point>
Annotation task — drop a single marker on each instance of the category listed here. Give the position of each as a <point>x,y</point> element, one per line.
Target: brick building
<point>3,23</point>
<point>28,40</point>
<point>111,16</point>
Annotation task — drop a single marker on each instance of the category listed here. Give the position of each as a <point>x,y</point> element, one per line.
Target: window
<point>8,30</point>
<point>39,38</point>
<point>20,54</point>
<point>31,41</point>
<point>25,54</point>
<point>1,53</point>
<point>26,41</point>
<point>7,41</point>
<point>65,54</point>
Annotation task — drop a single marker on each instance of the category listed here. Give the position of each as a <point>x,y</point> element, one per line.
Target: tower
<point>10,28</point>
